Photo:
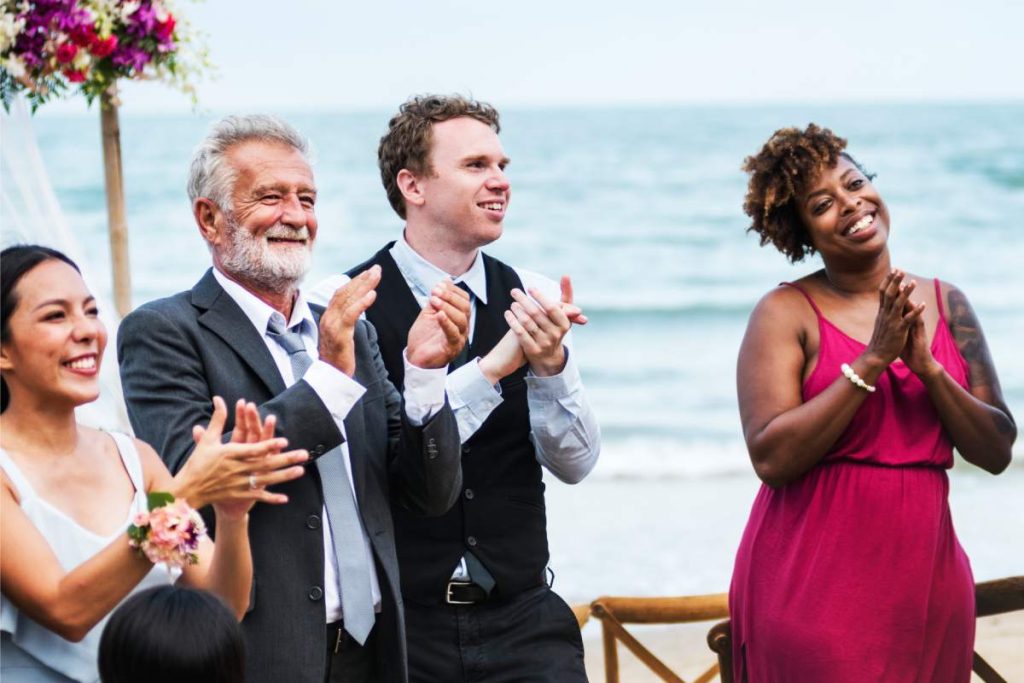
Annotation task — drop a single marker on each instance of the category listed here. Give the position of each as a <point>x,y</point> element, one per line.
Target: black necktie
<point>478,573</point>
<point>463,356</point>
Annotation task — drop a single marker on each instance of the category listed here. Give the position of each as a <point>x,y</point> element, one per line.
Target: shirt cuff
<point>338,391</point>
<point>556,386</point>
<point>424,391</point>
<point>467,387</point>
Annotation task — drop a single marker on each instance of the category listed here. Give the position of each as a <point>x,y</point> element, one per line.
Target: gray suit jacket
<point>177,353</point>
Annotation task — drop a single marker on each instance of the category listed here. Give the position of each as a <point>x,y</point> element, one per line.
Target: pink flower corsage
<point>170,532</point>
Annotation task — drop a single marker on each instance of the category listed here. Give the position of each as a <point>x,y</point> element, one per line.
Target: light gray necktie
<point>346,529</point>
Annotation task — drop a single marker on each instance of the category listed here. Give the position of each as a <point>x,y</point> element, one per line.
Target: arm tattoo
<point>966,329</point>
<point>967,333</point>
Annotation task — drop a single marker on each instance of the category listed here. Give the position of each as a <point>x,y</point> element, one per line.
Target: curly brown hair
<point>779,175</point>
<point>407,142</point>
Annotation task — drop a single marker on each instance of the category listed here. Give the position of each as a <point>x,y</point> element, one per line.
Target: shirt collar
<point>424,275</point>
<point>259,312</point>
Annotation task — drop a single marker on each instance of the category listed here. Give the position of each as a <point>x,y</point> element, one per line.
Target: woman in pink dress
<point>855,384</point>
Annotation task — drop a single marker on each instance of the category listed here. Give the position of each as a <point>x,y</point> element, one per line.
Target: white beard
<point>251,258</point>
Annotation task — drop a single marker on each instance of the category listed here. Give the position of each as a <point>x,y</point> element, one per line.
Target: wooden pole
<point>117,221</point>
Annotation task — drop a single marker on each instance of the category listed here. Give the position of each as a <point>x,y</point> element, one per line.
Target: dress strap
<point>817,311</point>
<point>16,476</point>
<point>130,457</point>
<point>938,300</point>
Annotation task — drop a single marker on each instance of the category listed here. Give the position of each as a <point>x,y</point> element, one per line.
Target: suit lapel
<point>223,317</point>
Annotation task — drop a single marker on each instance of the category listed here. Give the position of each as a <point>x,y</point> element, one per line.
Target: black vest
<point>500,515</point>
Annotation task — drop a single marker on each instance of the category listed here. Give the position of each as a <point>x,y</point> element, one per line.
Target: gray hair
<point>209,176</point>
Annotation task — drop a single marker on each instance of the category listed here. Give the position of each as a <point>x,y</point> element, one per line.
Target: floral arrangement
<point>50,47</point>
<point>169,532</point>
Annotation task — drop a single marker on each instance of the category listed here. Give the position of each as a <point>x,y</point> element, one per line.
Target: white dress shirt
<point>423,397</point>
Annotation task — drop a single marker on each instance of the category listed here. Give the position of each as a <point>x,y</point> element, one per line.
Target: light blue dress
<point>30,652</point>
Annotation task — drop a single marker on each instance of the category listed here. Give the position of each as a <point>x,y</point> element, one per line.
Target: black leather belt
<point>462,593</point>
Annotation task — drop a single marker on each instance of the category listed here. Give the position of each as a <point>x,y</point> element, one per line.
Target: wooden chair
<point>615,612</point>
<point>720,642</point>
<point>991,597</point>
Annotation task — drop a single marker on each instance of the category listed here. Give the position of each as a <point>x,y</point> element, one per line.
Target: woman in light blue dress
<point>69,492</point>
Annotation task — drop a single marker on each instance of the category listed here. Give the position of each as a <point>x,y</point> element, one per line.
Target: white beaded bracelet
<point>849,373</point>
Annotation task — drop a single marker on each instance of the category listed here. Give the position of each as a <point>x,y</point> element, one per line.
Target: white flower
<point>105,9</point>
<point>10,27</point>
<point>129,8</point>
<point>82,60</point>
<point>160,11</point>
<point>14,66</point>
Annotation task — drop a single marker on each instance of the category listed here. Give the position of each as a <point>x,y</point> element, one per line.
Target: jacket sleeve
<point>168,390</point>
<point>425,462</point>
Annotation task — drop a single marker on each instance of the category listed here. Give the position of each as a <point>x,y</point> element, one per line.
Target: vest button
<point>469,494</point>
<point>313,522</point>
<point>315,593</point>
<point>466,450</point>
<point>317,450</point>
<point>471,541</point>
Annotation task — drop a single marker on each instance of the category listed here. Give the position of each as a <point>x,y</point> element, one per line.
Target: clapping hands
<point>441,329</point>
<point>338,322</point>
<point>537,329</point>
<point>233,476</point>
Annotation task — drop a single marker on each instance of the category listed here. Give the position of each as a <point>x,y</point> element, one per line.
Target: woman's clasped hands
<point>235,475</point>
<point>899,330</point>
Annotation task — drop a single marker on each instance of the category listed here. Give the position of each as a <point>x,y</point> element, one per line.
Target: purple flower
<point>131,58</point>
<point>144,18</point>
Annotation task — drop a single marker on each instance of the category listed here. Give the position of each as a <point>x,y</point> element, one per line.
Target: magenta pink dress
<point>853,572</point>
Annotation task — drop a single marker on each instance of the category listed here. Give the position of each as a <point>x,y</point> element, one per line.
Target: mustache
<point>280,231</point>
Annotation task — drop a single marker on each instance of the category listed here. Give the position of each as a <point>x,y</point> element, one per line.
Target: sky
<point>366,54</point>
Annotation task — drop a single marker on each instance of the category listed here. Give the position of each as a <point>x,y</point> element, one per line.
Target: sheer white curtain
<point>30,214</point>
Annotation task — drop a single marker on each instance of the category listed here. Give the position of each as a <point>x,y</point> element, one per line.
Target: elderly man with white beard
<point>325,603</point>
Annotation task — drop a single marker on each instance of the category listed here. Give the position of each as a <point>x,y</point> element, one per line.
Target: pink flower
<point>165,29</point>
<point>170,534</point>
<point>66,53</point>
<point>83,35</point>
<point>75,76</point>
<point>102,47</point>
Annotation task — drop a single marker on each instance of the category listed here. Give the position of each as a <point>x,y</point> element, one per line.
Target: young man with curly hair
<point>477,600</point>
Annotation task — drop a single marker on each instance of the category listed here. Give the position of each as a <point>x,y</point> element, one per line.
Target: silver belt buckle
<point>448,594</point>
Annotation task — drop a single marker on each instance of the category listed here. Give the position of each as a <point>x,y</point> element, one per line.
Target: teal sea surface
<point>642,207</point>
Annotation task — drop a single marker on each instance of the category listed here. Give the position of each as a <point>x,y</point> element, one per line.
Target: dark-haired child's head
<point>169,635</point>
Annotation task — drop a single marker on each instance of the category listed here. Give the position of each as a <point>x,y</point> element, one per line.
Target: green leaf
<point>158,499</point>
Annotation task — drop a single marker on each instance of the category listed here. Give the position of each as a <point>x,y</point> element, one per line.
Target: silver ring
<point>252,481</point>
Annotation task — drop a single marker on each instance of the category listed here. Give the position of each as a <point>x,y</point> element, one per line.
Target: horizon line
<point>71,109</point>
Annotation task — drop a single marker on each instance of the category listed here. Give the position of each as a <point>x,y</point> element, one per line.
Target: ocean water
<point>642,207</point>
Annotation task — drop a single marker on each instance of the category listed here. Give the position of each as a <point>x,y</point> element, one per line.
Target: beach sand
<point>1000,641</point>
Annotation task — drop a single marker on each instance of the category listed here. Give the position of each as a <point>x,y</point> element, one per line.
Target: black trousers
<point>347,660</point>
<point>533,636</point>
